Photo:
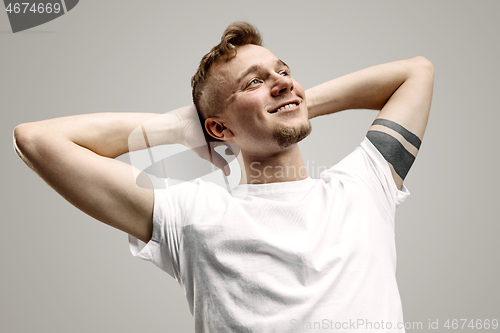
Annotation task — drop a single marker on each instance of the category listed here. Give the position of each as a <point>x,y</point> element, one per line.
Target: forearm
<point>106,134</point>
<point>46,144</point>
<point>369,88</point>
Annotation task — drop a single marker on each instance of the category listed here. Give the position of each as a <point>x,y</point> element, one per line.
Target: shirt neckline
<point>275,187</point>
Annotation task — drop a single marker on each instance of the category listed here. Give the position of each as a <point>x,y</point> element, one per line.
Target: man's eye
<point>253,82</point>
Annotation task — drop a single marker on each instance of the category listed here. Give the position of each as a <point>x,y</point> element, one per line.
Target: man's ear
<point>216,129</point>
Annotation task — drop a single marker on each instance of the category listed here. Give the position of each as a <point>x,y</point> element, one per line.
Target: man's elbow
<point>25,139</point>
<point>20,137</point>
<point>422,66</point>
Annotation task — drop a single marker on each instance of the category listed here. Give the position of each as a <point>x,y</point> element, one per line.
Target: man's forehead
<point>249,58</point>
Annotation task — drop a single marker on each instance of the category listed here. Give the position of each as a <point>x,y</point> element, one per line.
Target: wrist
<point>322,100</point>
<point>164,129</point>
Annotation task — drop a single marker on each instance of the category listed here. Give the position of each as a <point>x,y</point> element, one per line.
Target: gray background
<point>62,271</point>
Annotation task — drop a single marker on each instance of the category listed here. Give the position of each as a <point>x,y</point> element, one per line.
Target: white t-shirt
<point>315,255</point>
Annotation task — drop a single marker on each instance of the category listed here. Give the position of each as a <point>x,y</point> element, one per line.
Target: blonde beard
<point>287,136</point>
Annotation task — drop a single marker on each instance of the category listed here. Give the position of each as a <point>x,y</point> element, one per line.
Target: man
<point>282,252</point>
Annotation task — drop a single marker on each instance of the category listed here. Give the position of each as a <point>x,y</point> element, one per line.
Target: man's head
<point>245,95</point>
<point>204,83</point>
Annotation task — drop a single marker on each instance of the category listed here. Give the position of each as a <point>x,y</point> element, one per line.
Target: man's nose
<point>282,85</point>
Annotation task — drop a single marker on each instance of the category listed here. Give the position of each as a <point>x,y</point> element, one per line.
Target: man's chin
<point>286,136</point>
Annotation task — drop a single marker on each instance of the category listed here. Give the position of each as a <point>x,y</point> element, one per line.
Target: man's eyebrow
<point>257,67</point>
<point>251,69</point>
<point>281,62</point>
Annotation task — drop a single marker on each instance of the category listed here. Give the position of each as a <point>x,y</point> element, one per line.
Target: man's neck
<point>284,166</point>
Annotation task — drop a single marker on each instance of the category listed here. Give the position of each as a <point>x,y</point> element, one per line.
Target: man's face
<point>265,108</point>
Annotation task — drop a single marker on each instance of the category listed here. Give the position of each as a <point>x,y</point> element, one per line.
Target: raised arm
<point>75,156</point>
<point>401,90</point>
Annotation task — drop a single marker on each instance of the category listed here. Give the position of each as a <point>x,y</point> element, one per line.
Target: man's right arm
<point>401,90</point>
<point>75,156</point>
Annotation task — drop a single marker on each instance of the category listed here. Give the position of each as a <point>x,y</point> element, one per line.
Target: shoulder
<point>367,168</point>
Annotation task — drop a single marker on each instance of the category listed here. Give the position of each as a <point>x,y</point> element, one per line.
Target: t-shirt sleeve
<point>368,165</point>
<point>163,248</point>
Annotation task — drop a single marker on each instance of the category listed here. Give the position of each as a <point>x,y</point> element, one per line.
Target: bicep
<point>399,128</point>
<point>107,190</point>
<point>101,187</point>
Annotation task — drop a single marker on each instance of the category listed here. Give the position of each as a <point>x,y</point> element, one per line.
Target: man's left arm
<point>401,90</point>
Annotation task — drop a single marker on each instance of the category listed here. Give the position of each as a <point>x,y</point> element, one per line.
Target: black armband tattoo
<point>409,136</point>
<point>393,151</point>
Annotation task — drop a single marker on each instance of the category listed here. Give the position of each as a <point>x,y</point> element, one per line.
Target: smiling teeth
<point>291,105</point>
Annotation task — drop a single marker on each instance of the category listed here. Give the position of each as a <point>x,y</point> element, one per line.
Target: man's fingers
<point>220,162</point>
<point>213,157</point>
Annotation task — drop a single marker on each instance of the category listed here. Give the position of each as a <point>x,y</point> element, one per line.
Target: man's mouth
<point>284,107</point>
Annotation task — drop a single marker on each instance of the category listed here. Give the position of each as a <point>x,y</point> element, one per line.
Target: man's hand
<point>192,136</point>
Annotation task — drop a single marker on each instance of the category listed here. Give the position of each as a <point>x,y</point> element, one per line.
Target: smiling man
<point>281,252</point>
<point>262,110</point>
